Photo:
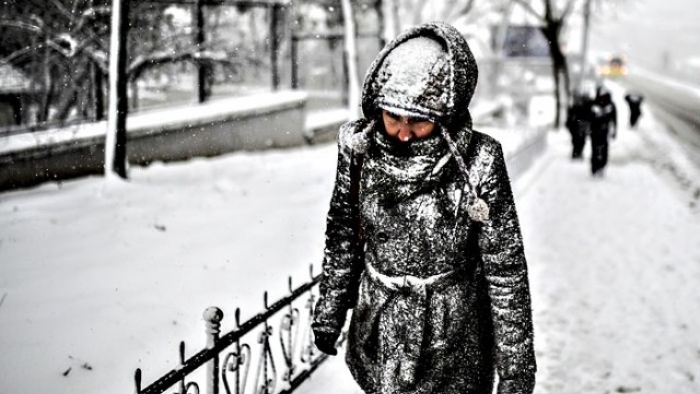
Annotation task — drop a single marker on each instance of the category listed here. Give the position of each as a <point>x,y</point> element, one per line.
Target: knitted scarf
<point>395,171</point>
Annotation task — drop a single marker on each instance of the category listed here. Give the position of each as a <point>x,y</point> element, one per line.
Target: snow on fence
<point>227,360</point>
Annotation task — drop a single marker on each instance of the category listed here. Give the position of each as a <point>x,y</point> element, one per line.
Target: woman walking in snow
<point>422,238</point>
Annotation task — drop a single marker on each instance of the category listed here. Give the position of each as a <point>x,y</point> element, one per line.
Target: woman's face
<point>406,128</point>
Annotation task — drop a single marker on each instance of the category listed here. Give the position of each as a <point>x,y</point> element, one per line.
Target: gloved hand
<point>325,342</point>
<point>521,384</point>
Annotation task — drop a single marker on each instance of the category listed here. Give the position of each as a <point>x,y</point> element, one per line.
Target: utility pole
<point>115,143</point>
<point>584,46</point>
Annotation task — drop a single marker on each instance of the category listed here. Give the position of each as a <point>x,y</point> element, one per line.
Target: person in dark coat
<point>634,101</point>
<point>422,239</point>
<point>603,128</point>
<point>578,121</point>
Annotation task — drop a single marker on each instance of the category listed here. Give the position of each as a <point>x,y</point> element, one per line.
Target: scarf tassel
<point>477,209</point>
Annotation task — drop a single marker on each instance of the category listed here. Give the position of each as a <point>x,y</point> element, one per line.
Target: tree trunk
<point>559,68</point>
<point>64,107</point>
<point>557,95</point>
<point>134,102</point>
<point>351,56</point>
<point>381,23</point>
<point>115,144</point>
<point>98,93</point>
<point>584,45</point>
<point>395,14</point>
<point>200,81</point>
<point>275,18</point>
<point>567,78</point>
<point>499,55</point>
<point>45,105</point>
<point>16,104</point>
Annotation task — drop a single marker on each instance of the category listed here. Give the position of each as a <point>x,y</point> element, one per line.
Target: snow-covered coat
<point>439,290</point>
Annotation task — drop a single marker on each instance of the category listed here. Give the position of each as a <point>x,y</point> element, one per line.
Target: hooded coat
<point>438,284</point>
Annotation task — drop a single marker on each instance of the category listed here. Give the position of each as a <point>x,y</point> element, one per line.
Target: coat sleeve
<point>341,265</point>
<point>505,269</point>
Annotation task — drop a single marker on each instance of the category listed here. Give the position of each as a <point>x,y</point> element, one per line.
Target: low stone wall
<point>533,147</point>
<point>274,120</point>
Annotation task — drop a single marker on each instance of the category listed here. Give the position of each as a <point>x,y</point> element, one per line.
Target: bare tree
<point>553,21</point>
<point>404,13</point>
<point>63,46</point>
<point>56,43</point>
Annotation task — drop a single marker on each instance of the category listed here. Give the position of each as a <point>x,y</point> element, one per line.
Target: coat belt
<point>407,303</point>
<point>410,283</point>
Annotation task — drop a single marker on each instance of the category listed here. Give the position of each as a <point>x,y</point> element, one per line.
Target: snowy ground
<point>98,278</point>
<point>614,265</point>
<point>112,276</point>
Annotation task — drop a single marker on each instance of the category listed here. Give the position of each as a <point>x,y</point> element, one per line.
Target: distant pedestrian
<point>578,121</point>
<point>603,128</point>
<point>634,100</point>
<point>422,239</point>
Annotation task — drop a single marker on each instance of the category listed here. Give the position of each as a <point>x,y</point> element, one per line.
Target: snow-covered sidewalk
<point>614,267</point>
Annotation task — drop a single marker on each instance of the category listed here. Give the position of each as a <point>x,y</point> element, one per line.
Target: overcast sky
<point>646,29</point>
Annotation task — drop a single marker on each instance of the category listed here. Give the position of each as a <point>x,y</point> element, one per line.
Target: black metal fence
<point>271,353</point>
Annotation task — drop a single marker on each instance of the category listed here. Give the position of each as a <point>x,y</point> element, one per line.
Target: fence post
<point>213,317</point>
<point>137,381</point>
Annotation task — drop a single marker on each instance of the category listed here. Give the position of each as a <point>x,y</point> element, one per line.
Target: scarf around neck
<point>394,171</point>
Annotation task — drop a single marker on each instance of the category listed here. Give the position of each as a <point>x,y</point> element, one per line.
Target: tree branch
<point>457,13</point>
<point>530,10</point>
<point>567,9</point>
<point>21,25</point>
<point>143,63</point>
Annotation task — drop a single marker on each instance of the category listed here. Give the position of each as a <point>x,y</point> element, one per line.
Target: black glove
<point>325,342</point>
<point>522,384</point>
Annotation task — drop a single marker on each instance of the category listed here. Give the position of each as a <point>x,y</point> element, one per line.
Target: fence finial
<point>137,380</point>
<point>213,316</point>
<point>237,315</point>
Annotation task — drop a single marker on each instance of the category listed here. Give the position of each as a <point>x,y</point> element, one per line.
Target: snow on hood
<point>458,80</point>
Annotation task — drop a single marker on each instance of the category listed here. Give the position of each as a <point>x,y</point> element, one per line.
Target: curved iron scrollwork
<point>266,375</point>
<point>289,336</point>
<point>238,363</point>
<point>296,349</point>
<point>192,385</point>
<point>308,348</point>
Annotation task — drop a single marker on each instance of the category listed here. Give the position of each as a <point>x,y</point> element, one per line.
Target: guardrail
<point>226,360</point>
